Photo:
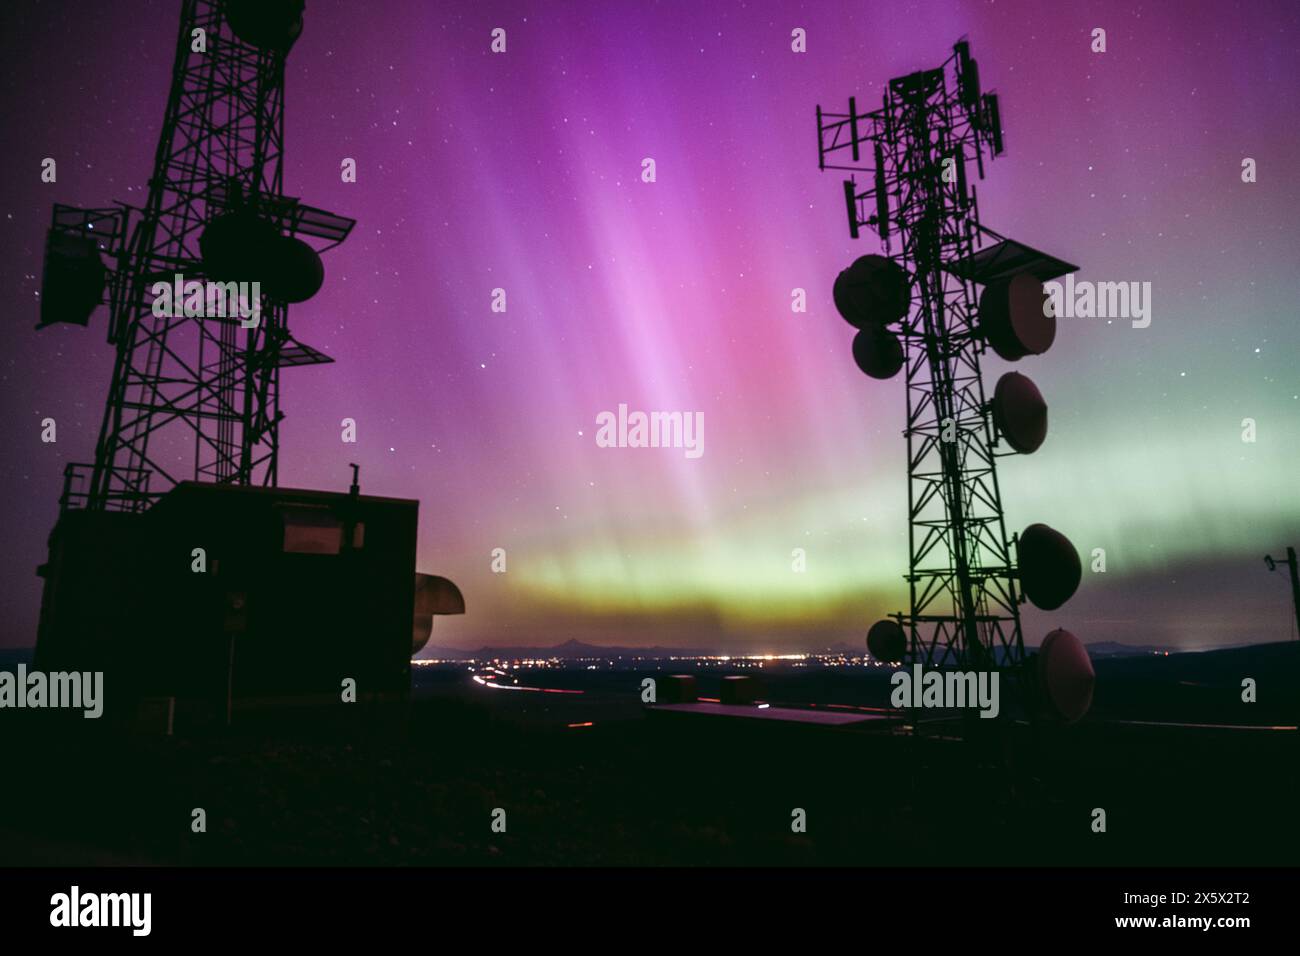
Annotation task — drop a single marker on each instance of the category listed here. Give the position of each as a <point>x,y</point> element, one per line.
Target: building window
<point>312,532</point>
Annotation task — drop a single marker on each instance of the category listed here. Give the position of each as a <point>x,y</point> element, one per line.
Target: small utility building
<point>224,596</point>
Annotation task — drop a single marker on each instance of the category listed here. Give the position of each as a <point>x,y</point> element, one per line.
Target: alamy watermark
<point>1100,300</point>
<point>949,690</point>
<point>651,430</point>
<point>208,300</point>
<point>75,909</point>
<point>59,689</point>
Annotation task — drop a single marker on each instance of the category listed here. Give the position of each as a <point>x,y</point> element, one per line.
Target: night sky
<point>522,171</point>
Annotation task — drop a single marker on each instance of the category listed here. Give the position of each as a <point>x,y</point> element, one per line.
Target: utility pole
<point>1295,581</point>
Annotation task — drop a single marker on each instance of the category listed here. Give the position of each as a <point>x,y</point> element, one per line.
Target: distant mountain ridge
<point>1112,649</point>
<point>573,650</point>
<point>569,650</point>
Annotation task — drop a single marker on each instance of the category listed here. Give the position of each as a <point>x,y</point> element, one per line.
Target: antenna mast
<point>195,387</point>
<point>964,578</point>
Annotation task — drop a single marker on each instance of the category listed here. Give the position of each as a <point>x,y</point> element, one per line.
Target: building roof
<point>190,489</point>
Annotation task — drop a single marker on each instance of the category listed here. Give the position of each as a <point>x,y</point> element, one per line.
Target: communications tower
<point>195,386</point>
<point>946,290</point>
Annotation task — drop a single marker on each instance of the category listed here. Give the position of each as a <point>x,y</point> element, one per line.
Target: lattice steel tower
<point>963,574</point>
<point>197,396</point>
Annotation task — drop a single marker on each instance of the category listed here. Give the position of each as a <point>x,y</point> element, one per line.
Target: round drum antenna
<point>1066,675</point>
<point>873,291</point>
<point>878,352</point>
<point>236,245</point>
<point>1016,317</point>
<point>886,641</point>
<point>295,272</point>
<point>1050,569</point>
<point>1019,412</point>
<point>266,24</point>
